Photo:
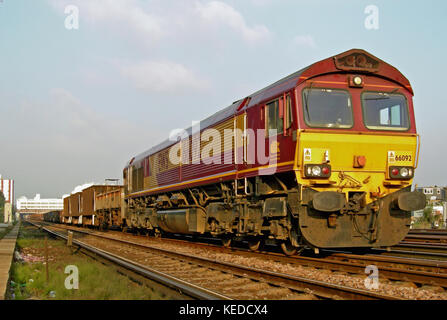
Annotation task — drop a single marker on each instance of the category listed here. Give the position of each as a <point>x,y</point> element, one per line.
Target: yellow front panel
<point>341,148</point>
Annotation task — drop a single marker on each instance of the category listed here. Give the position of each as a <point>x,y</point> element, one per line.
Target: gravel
<point>392,288</point>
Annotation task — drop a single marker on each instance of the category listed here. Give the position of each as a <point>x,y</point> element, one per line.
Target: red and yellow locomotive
<point>323,158</point>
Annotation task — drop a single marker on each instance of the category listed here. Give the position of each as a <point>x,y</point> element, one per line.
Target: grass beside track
<point>96,281</point>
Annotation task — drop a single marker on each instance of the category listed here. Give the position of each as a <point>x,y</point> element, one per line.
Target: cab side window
<point>274,122</point>
<point>277,114</point>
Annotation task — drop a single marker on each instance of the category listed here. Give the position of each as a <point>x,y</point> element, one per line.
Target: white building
<point>7,188</point>
<point>38,205</point>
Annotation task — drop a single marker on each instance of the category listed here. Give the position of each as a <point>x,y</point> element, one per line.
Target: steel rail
<point>430,236</point>
<point>425,247</point>
<point>415,252</point>
<point>426,238</point>
<point>428,231</point>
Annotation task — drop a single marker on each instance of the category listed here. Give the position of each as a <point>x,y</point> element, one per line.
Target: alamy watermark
<point>72,20</point>
<point>372,20</point>
<point>211,147</point>
<point>372,280</point>
<point>72,280</point>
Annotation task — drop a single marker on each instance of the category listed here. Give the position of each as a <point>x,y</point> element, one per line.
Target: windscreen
<point>384,111</point>
<point>328,108</point>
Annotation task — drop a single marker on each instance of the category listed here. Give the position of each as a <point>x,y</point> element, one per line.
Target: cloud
<point>121,16</point>
<point>304,41</point>
<point>162,76</point>
<point>151,23</point>
<point>220,13</point>
<point>60,142</point>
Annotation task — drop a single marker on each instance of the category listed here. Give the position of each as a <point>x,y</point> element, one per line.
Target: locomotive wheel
<point>254,244</point>
<point>226,242</point>
<point>288,249</point>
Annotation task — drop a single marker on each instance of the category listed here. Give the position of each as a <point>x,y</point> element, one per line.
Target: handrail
<point>418,149</point>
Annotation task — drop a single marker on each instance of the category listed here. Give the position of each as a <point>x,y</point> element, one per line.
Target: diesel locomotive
<point>323,158</point>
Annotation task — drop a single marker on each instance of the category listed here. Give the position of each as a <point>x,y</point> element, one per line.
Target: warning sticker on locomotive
<point>391,156</point>
<point>307,155</point>
<point>400,157</point>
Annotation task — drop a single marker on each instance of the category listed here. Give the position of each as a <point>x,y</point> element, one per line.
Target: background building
<point>7,188</point>
<point>38,205</point>
<point>433,193</point>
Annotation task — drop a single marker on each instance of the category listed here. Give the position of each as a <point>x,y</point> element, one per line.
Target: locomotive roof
<point>329,65</point>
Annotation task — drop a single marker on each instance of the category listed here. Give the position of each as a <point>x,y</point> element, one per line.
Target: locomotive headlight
<point>320,171</point>
<point>357,80</point>
<point>316,171</point>
<point>404,172</point>
<point>309,171</point>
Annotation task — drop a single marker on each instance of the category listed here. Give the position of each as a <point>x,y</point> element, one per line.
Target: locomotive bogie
<point>264,215</point>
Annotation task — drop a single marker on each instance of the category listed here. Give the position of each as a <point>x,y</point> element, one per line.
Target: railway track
<point>423,244</point>
<point>428,231</point>
<point>187,290</point>
<point>418,271</point>
<point>229,280</point>
<point>421,251</point>
<point>423,274</point>
<point>427,236</point>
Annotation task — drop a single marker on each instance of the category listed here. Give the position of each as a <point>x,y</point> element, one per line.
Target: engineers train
<point>323,158</point>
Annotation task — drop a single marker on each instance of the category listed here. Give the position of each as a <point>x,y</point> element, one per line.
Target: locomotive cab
<point>356,154</point>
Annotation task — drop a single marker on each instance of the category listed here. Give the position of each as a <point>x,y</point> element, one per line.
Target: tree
<point>428,214</point>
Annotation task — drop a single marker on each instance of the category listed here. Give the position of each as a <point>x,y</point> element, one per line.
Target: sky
<point>77,103</point>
